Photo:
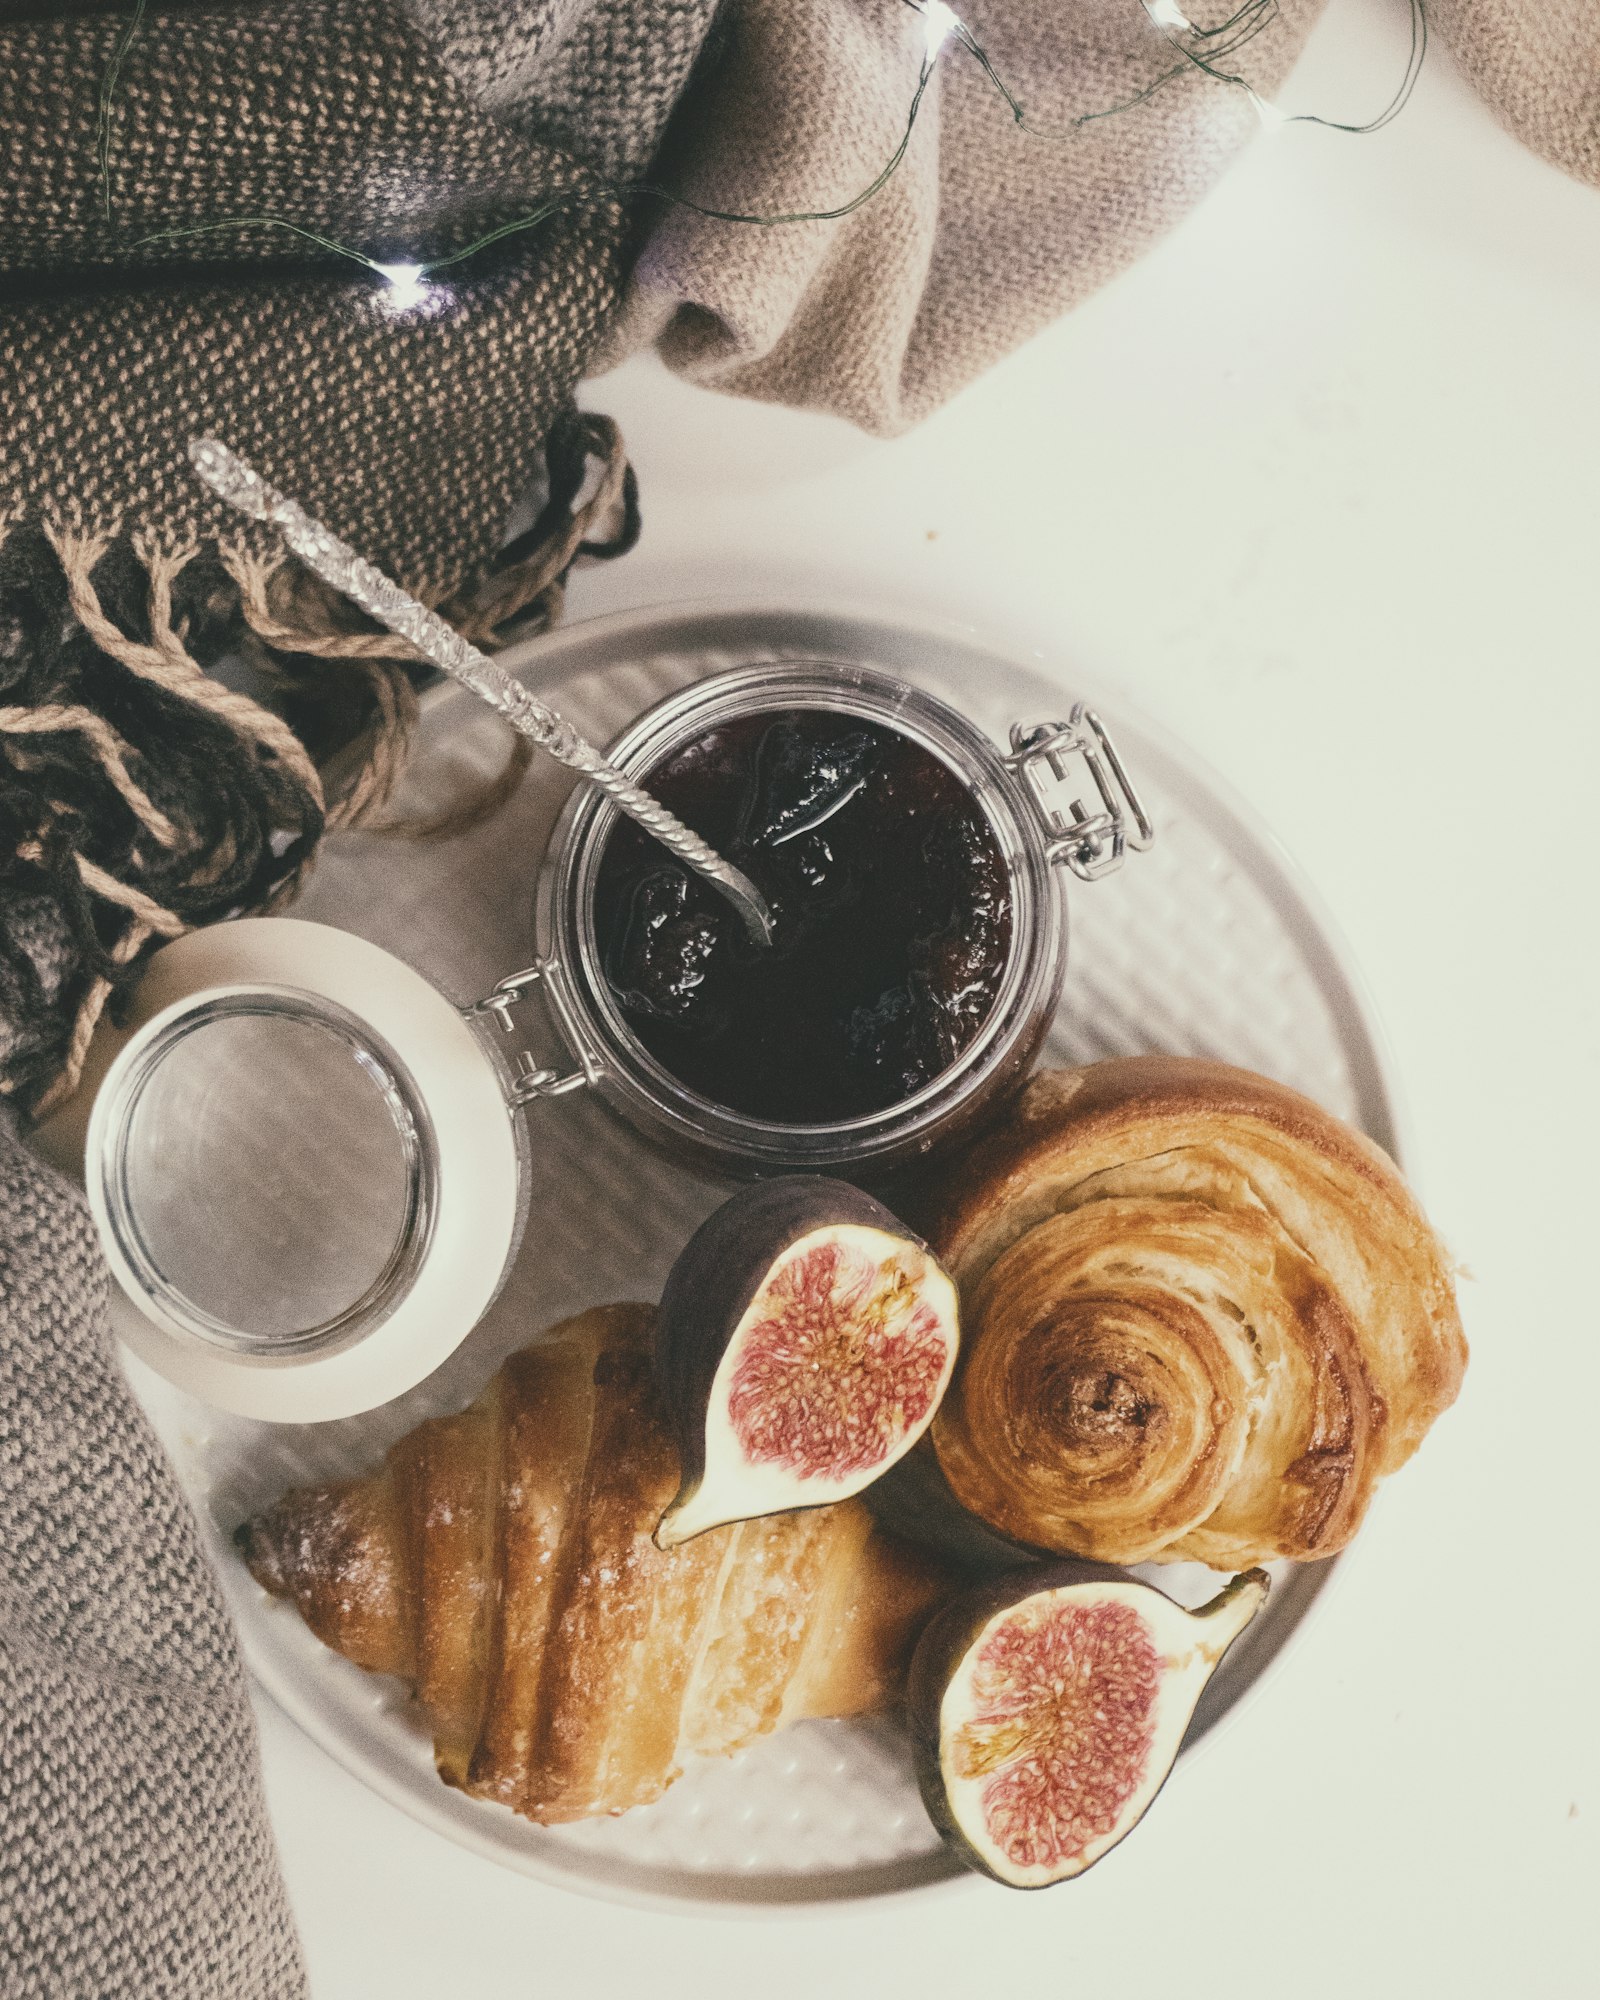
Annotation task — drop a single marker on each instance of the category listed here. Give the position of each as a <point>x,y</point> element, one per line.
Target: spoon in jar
<point>381,597</point>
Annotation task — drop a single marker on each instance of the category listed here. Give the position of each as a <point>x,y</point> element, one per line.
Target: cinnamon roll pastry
<point>1201,1319</point>
<point>501,1561</point>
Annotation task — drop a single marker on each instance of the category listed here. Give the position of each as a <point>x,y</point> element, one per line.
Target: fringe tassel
<point>307,629</point>
<point>590,514</point>
<point>87,1019</point>
<point>54,717</point>
<point>141,796</point>
<point>164,661</point>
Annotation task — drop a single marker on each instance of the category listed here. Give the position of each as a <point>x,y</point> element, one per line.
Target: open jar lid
<point>305,1167</point>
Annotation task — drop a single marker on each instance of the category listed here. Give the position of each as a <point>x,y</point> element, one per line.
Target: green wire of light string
<point>108,92</point>
<point>1230,36</point>
<point>1391,111</point>
<point>589,191</point>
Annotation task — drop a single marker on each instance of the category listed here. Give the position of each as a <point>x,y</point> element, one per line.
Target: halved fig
<point>1048,1708</point>
<point>804,1340</point>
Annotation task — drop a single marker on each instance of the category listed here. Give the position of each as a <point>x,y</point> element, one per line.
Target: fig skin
<point>716,1278</point>
<point>950,1636</point>
<point>913,1502</point>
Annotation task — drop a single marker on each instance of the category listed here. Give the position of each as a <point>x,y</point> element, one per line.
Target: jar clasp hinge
<point>530,1080</point>
<point>1090,843</point>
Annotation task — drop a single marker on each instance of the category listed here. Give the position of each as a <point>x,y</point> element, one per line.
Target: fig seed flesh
<point>804,1341</point>
<point>1049,1706</point>
<point>840,1355</point>
<point>1066,1697</point>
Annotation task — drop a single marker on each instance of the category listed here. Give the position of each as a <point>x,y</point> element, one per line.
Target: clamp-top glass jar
<point>1031,803</point>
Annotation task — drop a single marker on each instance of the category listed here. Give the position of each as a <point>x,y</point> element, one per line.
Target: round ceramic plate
<point>1207,945</point>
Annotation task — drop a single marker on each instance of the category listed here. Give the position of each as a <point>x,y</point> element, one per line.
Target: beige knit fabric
<point>1537,63</point>
<point>985,234</point>
<point>135,1858</point>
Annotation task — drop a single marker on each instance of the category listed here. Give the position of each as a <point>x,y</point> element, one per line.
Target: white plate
<point>1208,945</point>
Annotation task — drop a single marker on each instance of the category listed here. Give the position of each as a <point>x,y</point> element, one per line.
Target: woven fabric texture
<point>589,74</point>
<point>135,1856</point>
<point>411,431</point>
<point>985,234</point>
<point>1537,63</point>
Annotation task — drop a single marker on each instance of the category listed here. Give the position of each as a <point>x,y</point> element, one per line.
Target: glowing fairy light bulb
<point>407,286</point>
<point>1168,14</point>
<point>939,23</point>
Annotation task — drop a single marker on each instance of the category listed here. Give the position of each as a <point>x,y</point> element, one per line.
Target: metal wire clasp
<point>1090,844</point>
<point>529,1079</point>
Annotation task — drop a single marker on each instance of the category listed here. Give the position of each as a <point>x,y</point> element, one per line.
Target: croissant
<point>501,1560</point>
<point>1201,1319</point>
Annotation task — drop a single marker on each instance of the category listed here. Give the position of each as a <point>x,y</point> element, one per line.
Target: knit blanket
<point>991,227</point>
<point>134,1852</point>
<point>182,184</point>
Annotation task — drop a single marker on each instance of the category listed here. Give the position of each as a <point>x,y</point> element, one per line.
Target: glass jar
<point>310,1169</point>
<point>1027,798</point>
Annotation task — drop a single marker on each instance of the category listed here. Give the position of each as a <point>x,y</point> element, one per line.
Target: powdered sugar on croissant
<point>501,1560</point>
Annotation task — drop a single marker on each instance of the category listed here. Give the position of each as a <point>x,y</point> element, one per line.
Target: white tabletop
<point>1317,484</point>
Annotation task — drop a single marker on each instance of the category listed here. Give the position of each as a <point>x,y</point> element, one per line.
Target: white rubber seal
<point>478,1210</point>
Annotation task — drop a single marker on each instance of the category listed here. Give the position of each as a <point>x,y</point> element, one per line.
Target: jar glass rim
<point>390,1082</point>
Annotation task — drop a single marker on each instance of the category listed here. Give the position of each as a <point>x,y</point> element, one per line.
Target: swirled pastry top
<point>1201,1319</point>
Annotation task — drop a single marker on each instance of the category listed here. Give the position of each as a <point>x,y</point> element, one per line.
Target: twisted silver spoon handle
<point>381,597</point>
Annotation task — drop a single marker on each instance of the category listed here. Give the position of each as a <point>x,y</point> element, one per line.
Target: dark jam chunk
<point>892,919</point>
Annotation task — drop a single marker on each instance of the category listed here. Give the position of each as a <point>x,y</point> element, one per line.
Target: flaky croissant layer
<point>1201,1319</point>
<point>501,1560</point>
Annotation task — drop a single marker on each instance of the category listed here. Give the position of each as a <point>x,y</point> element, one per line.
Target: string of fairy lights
<point>1169,17</point>
<point>1209,51</point>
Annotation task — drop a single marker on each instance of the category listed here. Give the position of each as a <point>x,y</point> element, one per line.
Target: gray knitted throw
<point>134,1851</point>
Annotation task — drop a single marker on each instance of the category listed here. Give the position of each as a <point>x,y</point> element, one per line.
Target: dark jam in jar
<point>891,909</point>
